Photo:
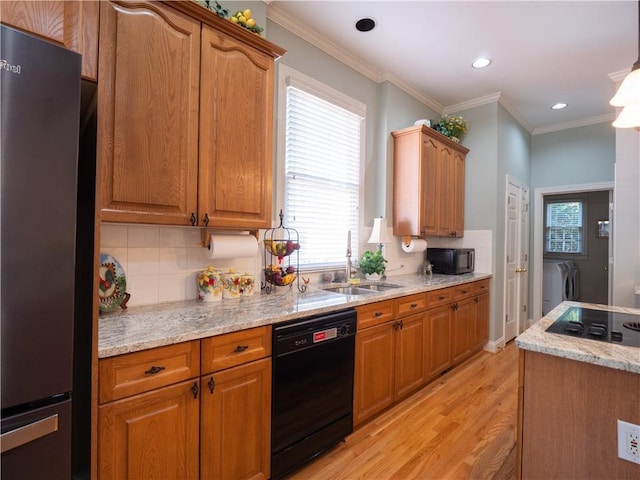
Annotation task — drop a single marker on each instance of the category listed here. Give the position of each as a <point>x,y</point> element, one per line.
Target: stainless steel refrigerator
<point>40,115</point>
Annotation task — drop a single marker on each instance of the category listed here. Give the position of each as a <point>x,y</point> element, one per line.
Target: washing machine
<point>557,284</point>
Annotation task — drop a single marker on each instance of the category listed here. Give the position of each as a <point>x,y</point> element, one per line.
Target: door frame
<point>538,234</point>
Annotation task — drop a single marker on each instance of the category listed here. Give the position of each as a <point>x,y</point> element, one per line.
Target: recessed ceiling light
<point>559,106</point>
<point>481,63</point>
<point>365,24</point>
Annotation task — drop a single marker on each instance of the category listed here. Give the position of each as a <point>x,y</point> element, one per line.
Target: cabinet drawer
<point>411,304</point>
<point>231,349</point>
<point>133,373</point>
<point>463,291</point>
<point>440,297</point>
<point>375,313</point>
<point>481,286</point>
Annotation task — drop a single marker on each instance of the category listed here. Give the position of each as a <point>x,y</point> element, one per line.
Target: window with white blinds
<point>322,174</point>
<point>564,227</point>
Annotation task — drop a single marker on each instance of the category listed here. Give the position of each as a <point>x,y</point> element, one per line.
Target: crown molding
<point>411,90</point>
<point>608,118</point>
<point>515,113</point>
<point>314,38</point>
<point>475,102</point>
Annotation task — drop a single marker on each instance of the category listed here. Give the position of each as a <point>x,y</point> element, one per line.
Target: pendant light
<point>628,95</point>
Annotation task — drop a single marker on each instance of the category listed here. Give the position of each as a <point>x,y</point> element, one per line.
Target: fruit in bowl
<point>281,248</point>
<point>280,276</point>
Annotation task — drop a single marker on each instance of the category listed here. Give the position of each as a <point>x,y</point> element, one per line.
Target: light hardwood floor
<point>461,426</point>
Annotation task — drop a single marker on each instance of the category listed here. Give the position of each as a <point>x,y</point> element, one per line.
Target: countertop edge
<point>618,357</point>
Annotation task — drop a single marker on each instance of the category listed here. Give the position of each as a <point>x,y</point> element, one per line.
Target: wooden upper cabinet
<point>428,190</point>
<point>148,113</point>
<point>71,24</point>
<point>236,133</point>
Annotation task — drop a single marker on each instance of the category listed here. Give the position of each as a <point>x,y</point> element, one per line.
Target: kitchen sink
<point>361,289</point>
<point>349,290</point>
<point>379,287</point>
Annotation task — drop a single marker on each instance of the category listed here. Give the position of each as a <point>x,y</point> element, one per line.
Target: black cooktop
<point>599,325</point>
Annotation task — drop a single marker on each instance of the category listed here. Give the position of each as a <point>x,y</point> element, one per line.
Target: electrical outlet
<point>629,441</point>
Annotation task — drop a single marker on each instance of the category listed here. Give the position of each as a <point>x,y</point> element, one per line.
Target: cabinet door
<point>430,172</point>
<point>457,180</point>
<point>480,327</point>
<point>148,113</point>
<point>461,326</point>
<point>410,354</point>
<point>236,133</point>
<point>373,379</point>
<point>71,24</point>
<point>439,320</point>
<point>152,435</point>
<point>446,198</point>
<point>235,427</point>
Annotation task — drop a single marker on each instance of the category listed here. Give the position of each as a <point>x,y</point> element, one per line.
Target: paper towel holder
<point>205,235</point>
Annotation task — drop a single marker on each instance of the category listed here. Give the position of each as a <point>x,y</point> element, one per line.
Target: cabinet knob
<point>192,219</point>
<point>205,219</point>
<point>153,370</point>
<point>211,384</point>
<point>195,389</point>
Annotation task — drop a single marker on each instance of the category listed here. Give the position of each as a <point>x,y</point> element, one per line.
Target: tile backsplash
<point>161,263</point>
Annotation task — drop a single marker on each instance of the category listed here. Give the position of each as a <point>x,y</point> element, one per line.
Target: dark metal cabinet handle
<point>441,297</point>
<point>195,389</point>
<point>211,384</point>
<point>153,370</point>
<point>464,292</point>
<point>396,325</point>
<point>454,307</point>
<point>205,219</point>
<point>240,348</point>
<point>401,324</point>
<point>414,305</point>
<point>192,218</point>
<point>377,314</point>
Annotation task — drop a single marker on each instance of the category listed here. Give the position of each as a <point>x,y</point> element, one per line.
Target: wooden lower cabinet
<point>390,363</point>
<point>480,325</point>
<point>373,378</point>
<point>154,435</point>
<point>410,358</point>
<point>235,422</point>
<point>461,328</point>
<point>439,325</point>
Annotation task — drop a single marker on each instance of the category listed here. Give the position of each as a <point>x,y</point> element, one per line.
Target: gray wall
<point>574,156</point>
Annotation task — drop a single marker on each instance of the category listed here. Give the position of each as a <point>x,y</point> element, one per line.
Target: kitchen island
<point>145,327</point>
<point>572,391</point>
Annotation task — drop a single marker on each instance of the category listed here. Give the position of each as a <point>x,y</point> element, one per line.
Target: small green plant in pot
<point>373,263</point>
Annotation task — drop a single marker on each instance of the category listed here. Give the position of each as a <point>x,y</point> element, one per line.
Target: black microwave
<point>452,261</point>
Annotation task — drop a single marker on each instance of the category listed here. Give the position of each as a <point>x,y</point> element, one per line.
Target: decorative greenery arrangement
<point>241,17</point>
<point>373,262</point>
<point>452,126</point>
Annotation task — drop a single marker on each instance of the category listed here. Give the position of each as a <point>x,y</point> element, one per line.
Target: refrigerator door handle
<point>28,433</point>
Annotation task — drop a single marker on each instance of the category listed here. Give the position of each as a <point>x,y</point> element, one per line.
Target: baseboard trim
<point>494,346</point>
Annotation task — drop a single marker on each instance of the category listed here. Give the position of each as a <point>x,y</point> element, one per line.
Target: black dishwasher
<point>312,403</point>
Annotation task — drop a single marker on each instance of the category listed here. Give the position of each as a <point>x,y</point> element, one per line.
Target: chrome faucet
<point>348,269</point>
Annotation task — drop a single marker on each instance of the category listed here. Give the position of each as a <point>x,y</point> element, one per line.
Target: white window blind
<point>564,227</point>
<point>322,177</point>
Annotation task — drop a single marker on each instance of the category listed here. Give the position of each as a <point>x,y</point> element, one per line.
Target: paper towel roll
<point>416,245</point>
<point>232,246</point>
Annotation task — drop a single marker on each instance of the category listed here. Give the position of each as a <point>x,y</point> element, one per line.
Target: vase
<point>372,276</point>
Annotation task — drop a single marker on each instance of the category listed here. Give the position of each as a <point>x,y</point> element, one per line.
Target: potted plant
<point>452,126</point>
<point>373,263</point>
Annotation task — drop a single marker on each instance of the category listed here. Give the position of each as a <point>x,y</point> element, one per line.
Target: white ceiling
<point>542,52</point>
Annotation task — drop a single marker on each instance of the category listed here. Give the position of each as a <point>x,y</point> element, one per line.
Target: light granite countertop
<point>611,355</point>
<point>144,327</point>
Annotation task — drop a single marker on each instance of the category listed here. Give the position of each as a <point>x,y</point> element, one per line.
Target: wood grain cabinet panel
<point>428,189</point>
<point>148,113</point>
<point>439,321</point>
<point>236,133</point>
<point>71,24</point>
<point>235,427</point>
<point>232,349</point>
<point>462,326</point>
<point>153,435</point>
<point>410,355</point>
<point>374,371</point>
